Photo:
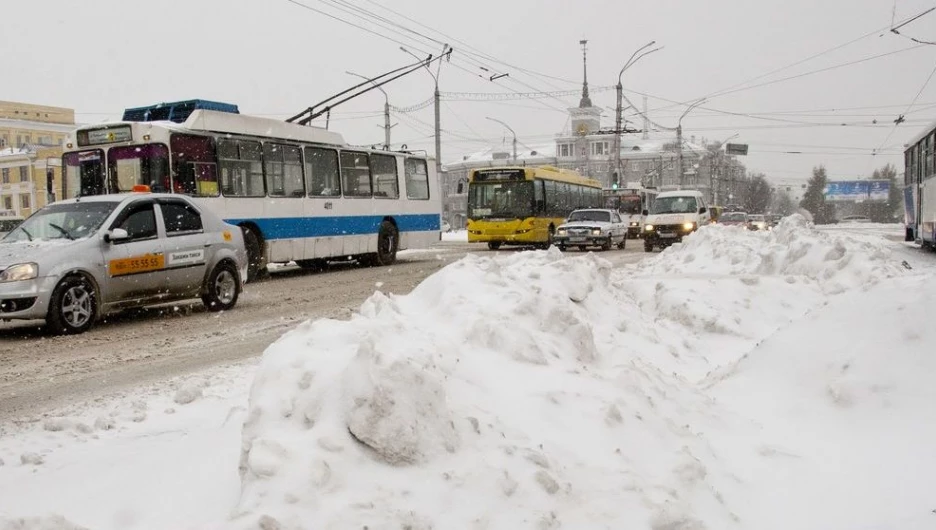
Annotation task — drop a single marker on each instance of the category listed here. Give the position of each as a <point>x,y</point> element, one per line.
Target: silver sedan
<point>78,260</point>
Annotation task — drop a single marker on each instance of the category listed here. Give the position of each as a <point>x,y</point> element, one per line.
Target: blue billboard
<point>857,190</point>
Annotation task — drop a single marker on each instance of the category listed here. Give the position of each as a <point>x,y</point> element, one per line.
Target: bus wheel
<point>388,241</point>
<point>254,251</point>
<point>494,245</point>
<point>908,235</point>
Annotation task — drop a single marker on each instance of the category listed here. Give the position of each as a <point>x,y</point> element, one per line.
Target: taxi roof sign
<point>140,188</point>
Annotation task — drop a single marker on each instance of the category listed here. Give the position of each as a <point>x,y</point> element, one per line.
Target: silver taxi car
<point>591,227</point>
<point>75,261</point>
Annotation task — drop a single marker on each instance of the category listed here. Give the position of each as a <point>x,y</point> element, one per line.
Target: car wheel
<point>494,245</point>
<point>222,288</point>
<point>254,253</point>
<point>623,243</point>
<point>73,306</point>
<point>582,248</point>
<point>648,247</point>
<point>388,241</point>
<point>562,248</point>
<point>606,245</point>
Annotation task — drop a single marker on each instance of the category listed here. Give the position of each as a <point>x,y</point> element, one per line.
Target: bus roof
<point>546,172</point>
<point>215,121</point>
<point>922,134</point>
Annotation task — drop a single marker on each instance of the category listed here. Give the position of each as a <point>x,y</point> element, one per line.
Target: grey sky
<point>274,57</point>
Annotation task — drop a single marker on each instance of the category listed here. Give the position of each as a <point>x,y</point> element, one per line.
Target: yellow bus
<point>524,205</point>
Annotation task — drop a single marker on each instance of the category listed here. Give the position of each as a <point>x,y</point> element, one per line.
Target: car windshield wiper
<point>63,231</point>
<point>25,232</point>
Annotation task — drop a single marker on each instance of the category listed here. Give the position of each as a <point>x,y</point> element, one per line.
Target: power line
<point>900,119</point>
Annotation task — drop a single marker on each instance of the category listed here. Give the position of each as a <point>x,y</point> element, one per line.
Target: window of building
<point>322,177</point>
<point>386,179</point>
<point>45,140</point>
<point>355,174</point>
<point>8,203</point>
<point>3,141</point>
<point>24,201</point>
<point>24,174</point>
<point>241,168</point>
<point>599,148</point>
<point>417,179</point>
<point>6,175</point>
<point>565,150</point>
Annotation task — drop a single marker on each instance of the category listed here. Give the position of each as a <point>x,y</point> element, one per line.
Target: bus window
<point>138,164</point>
<point>194,166</point>
<point>355,174</point>
<point>84,173</point>
<point>386,180</point>
<point>283,166</point>
<point>539,197</point>
<point>322,172</point>
<point>417,179</point>
<point>241,168</point>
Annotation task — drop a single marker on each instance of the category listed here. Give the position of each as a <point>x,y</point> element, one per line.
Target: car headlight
<point>688,226</point>
<point>16,273</point>
<point>561,231</point>
<point>596,232</point>
<point>634,223</point>
<point>648,228</point>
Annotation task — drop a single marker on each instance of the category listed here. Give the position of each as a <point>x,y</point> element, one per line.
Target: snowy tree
<point>814,199</point>
<point>886,212</point>
<point>759,194</point>
<point>783,203</point>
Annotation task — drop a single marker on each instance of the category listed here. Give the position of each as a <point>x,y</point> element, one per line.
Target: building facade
<point>31,139</point>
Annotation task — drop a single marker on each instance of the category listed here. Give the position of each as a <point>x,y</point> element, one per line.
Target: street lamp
<point>435,97</point>
<point>514,137</point>
<point>620,96</point>
<point>679,137</point>
<point>386,108</point>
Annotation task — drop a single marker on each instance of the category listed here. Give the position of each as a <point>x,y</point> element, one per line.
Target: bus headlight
<point>634,223</point>
<point>688,226</point>
<point>648,228</point>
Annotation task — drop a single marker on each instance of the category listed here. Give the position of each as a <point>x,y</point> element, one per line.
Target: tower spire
<point>586,101</point>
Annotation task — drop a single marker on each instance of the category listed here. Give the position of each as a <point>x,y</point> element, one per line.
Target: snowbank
<point>836,260</point>
<point>483,398</point>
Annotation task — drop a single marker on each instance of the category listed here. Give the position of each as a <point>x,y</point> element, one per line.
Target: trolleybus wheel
<point>388,241</point>
<point>254,253</point>
<point>494,245</point>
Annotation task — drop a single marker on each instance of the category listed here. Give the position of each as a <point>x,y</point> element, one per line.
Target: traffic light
<point>614,180</point>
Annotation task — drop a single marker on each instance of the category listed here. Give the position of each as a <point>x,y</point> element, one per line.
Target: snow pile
<point>837,261</point>
<point>844,409</point>
<point>489,397</point>
<point>54,522</point>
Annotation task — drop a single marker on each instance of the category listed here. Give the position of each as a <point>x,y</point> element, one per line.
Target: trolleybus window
<point>84,173</point>
<point>386,180</point>
<point>355,174</point>
<point>322,172</point>
<point>283,165</point>
<point>417,179</point>
<point>139,164</point>
<point>241,169</point>
<point>194,165</point>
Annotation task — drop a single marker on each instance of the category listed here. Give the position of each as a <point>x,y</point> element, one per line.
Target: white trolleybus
<point>630,202</point>
<point>920,188</point>
<point>298,192</point>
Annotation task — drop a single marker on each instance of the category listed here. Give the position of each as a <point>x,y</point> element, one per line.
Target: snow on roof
<point>656,142</point>
<point>534,153</point>
<point>37,126</point>
<point>13,151</point>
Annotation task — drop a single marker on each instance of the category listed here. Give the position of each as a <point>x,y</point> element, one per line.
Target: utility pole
<point>679,143</point>
<point>514,137</point>
<point>619,110</point>
<point>436,101</point>
<point>386,107</point>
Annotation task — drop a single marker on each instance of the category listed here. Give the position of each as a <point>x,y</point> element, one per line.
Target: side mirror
<point>117,234</point>
<point>645,212</point>
<point>702,210</point>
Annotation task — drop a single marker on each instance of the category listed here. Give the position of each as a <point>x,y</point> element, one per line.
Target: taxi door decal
<point>181,258</point>
<point>136,264</point>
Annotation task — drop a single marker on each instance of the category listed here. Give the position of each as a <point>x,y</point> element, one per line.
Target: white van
<point>674,215</point>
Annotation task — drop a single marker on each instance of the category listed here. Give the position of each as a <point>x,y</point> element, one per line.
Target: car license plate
<point>667,234</point>
<point>576,239</point>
